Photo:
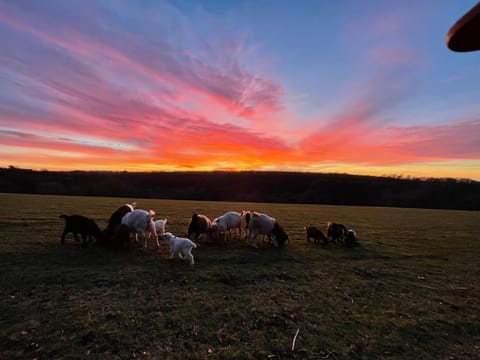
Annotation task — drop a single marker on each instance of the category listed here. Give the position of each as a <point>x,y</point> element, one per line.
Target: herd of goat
<point>127,223</point>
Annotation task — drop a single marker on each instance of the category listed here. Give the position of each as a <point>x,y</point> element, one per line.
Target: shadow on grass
<point>359,252</point>
<point>428,339</point>
<point>58,298</point>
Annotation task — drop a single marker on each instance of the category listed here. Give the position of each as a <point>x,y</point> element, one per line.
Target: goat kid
<point>159,228</point>
<point>181,247</point>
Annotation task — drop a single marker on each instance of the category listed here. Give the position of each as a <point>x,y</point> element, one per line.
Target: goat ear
<point>133,204</point>
<point>151,213</point>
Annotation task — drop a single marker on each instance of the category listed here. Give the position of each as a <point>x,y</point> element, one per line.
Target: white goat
<point>141,221</point>
<point>181,246</point>
<point>227,222</point>
<point>265,225</point>
<point>159,228</point>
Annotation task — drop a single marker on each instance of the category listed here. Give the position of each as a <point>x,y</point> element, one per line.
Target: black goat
<point>199,225</point>
<point>114,222</point>
<point>316,234</point>
<point>78,224</point>
<point>351,239</point>
<point>337,232</point>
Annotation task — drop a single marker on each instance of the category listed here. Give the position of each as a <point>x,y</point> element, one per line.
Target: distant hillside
<point>276,187</point>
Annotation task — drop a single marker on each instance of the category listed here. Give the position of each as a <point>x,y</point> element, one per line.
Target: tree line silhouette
<point>251,186</point>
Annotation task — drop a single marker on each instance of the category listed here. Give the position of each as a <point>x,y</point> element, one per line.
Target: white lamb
<point>160,226</point>
<point>181,246</point>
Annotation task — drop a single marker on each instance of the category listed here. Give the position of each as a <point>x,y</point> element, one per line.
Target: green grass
<point>410,291</point>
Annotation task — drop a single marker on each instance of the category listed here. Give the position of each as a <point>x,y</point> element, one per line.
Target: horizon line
<point>392,176</point>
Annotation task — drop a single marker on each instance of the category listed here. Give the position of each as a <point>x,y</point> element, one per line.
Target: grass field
<point>411,291</point>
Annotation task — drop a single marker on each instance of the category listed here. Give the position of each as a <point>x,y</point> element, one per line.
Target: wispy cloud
<point>95,37</point>
<point>141,86</point>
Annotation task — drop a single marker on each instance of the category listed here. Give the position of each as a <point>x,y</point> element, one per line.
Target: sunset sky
<point>359,87</point>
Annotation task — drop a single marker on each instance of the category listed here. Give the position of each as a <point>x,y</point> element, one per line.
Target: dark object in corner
<point>464,35</point>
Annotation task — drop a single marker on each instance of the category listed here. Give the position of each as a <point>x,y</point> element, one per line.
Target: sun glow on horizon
<point>421,170</point>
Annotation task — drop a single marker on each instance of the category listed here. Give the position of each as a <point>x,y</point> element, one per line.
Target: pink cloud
<point>457,140</point>
<point>393,145</point>
<point>227,82</point>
